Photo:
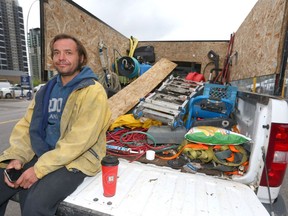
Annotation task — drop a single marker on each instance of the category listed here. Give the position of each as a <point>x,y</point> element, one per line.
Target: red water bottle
<point>109,175</point>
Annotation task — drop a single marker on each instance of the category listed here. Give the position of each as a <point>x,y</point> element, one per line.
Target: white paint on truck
<point>145,189</point>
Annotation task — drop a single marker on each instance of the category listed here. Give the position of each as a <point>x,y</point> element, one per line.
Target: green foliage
<point>36,82</point>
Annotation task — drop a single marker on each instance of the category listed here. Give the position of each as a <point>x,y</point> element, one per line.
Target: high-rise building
<point>13,55</point>
<point>34,44</point>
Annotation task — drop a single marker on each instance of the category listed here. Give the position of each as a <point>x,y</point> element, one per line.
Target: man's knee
<point>37,204</point>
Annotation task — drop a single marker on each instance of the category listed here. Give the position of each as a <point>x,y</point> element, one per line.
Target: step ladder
<point>168,103</point>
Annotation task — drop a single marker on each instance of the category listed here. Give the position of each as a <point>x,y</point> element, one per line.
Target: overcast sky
<point>162,19</point>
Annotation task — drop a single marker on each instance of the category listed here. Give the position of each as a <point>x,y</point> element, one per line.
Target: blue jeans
<point>45,195</point>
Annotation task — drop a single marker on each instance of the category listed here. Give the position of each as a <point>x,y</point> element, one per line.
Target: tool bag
<point>145,54</point>
<point>226,158</point>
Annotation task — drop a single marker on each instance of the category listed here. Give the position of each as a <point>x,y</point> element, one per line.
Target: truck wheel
<point>29,96</point>
<point>8,96</point>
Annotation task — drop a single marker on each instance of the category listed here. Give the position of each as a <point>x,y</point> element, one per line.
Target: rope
<point>114,82</point>
<point>133,45</point>
<point>135,140</point>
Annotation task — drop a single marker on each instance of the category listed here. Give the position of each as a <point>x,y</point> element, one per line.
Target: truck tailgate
<point>144,189</point>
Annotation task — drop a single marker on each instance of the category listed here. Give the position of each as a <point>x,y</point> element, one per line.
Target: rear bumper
<point>263,194</point>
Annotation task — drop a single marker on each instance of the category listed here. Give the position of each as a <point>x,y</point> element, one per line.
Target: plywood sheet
<point>128,97</point>
<point>259,40</point>
<point>190,52</point>
<point>65,16</point>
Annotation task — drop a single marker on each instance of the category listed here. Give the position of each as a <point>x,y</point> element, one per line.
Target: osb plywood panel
<point>190,51</point>
<point>128,97</point>
<point>259,40</point>
<point>60,16</point>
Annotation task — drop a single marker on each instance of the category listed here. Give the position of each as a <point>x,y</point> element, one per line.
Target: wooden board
<point>128,97</point>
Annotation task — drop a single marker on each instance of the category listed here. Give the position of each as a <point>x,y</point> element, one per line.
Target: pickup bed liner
<point>147,189</point>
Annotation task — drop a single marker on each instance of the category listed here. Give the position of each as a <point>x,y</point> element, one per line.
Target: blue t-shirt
<point>57,101</point>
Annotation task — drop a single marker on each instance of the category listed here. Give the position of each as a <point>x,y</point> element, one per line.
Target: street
<point>12,110</point>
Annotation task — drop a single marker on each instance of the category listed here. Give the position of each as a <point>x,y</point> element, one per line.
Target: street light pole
<point>28,48</point>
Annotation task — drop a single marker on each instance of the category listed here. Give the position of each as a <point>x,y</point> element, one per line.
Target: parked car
<point>36,88</point>
<point>16,92</point>
<point>5,84</point>
<point>266,86</point>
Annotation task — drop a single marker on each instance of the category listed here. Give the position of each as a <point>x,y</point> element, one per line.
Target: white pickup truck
<point>15,92</point>
<point>148,189</point>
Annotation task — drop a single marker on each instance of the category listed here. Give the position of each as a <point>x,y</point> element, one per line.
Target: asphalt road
<point>12,110</point>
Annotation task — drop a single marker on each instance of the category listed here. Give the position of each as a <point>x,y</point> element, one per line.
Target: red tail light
<point>277,155</point>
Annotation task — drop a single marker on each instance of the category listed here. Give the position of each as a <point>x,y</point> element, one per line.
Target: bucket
<point>128,67</point>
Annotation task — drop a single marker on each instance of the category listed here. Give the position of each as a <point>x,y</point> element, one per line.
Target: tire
<point>8,96</point>
<point>29,95</point>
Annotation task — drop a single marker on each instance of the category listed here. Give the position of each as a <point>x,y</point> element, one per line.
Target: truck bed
<point>146,189</point>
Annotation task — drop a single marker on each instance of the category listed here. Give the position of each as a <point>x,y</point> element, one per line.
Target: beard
<point>69,73</point>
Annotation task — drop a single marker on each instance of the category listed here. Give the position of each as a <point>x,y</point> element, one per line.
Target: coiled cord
<point>113,80</point>
<point>136,140</point>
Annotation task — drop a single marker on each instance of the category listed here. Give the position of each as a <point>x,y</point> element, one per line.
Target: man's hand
<point>13,164</point>
<point>27,179</point>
